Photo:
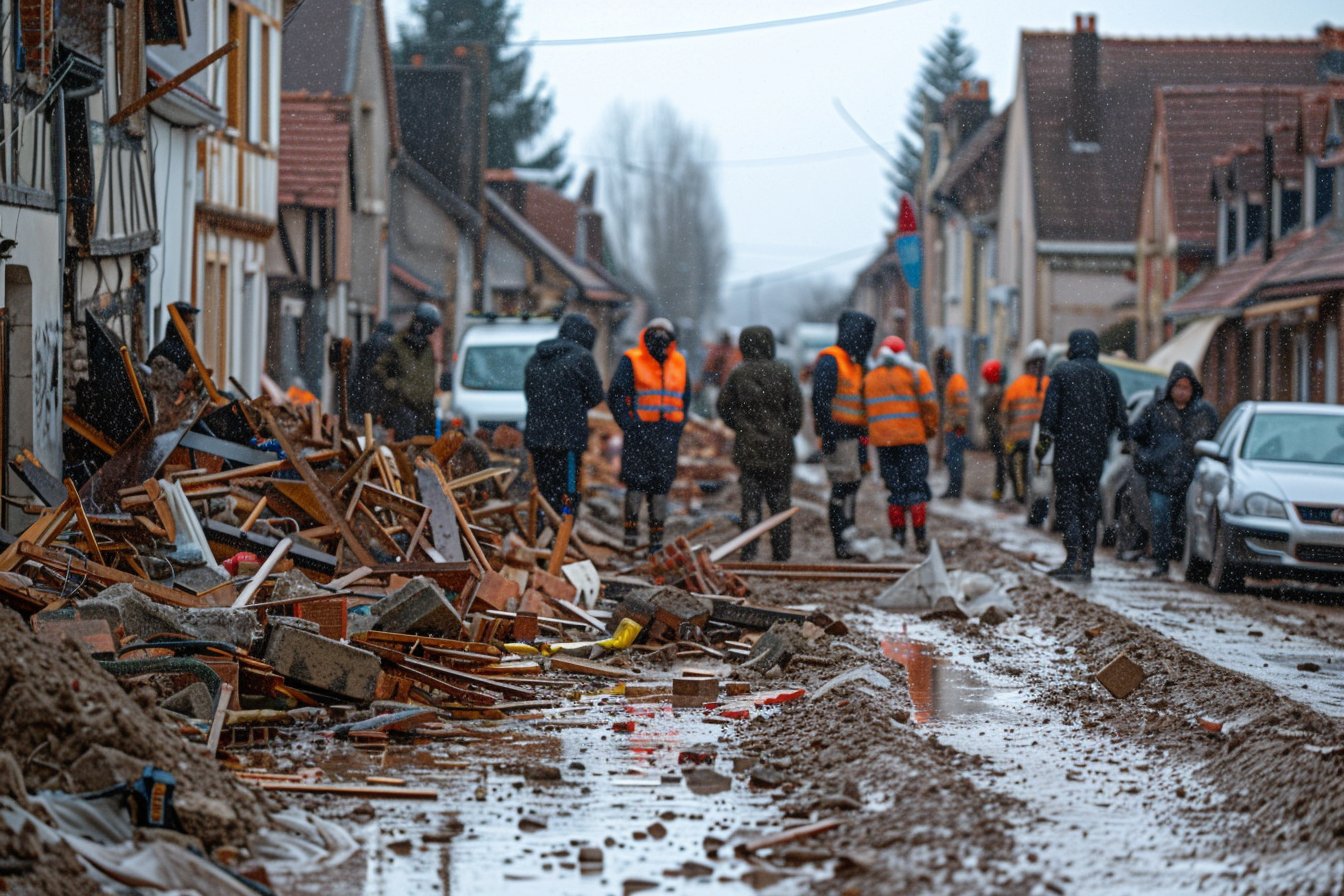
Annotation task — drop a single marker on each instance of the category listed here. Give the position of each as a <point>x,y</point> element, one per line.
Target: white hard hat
<point>1036,350</point>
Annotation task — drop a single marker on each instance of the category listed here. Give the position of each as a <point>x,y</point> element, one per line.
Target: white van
<point>488,369</point>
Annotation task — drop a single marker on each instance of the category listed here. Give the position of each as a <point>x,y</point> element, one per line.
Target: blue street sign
<point>909,251</point>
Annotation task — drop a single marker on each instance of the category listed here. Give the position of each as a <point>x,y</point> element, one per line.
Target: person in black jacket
<point>837,414</point>
<point>171,345</point>
<point>365,391</point>
<point>649,397</point>
<point>763,406</point>
<point>1165,436</point>
<point>560,383</point>
<point>1083,406</point>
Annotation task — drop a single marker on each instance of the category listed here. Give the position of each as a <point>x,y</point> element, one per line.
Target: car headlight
<point>1258,504</point>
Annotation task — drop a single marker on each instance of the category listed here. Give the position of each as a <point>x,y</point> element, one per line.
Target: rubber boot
<point>835,519</point>
<point>657,520</point>
<point>918,515</point>
<point>631,533</point>
<point>896,517</point>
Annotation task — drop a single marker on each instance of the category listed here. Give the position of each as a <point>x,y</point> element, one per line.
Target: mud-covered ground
<point>961,756</point>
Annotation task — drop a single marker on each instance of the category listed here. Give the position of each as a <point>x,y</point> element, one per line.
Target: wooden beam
<point>85,429</point>
<point>135,384</point>
<point>171,84</point>
<point>190,342</point>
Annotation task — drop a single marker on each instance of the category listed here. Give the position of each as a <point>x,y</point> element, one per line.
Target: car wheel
<point>1196,568</point>
<point>1224,574</point>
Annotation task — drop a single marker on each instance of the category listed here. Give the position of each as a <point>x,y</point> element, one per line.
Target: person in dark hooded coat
<point>649,396</point>
<point>171,345</point>
<point>840,420</point>
<point>560,383</point>
<point>365,393</point>
<point>1165,437</point>
<point>763,406</point>
<point>1083,406</point>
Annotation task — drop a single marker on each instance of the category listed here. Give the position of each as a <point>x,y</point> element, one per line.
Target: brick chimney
<point>1084,82</point>
<point>966,110</point>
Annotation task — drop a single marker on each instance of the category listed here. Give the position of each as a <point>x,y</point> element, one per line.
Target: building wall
<point>171,261</point>
<point>370,135</point>
<point>1017,223</point>
<point>1081,292</point>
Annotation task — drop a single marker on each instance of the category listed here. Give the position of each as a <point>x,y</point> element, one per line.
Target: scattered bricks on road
<point>322,663</point>
<point>736,715</point>
<point>781,697</point>
<point>776,647</point>
<point>1308,667</point>
<point>497,592</point>
<point>419,608</point>
<point>638,690</point>
<point>993,616</point>
<point>765,777</point>
<point>1094,632</point>
<point>1121,676</point>
<point>691,692</point>
<point>1210,725</point>
<point>662,612</point>
<point>736,688</point>
<point>697,756</point>
<point>627,727</point>
<point>526,627</point>
<point>590,855</point>
<point>553,586</point>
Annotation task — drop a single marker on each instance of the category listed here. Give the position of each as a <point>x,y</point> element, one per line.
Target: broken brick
<point>1121,676</point>
<point>419,608</point>
<point>553,586</point>
<point>497,592</point>
<point>689,692</point>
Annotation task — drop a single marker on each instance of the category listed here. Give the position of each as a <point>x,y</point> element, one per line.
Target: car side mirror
<point>1209,448</point>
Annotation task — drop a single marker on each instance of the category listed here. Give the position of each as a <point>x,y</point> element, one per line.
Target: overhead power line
<point>806,267</point>
<point>858,129</point>
<point>710,32</point>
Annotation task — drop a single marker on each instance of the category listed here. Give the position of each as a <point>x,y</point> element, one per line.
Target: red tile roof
<point>1302,261</point>
<point>1199,123</point>
<point>1094,196</point>
<point>315,151</point>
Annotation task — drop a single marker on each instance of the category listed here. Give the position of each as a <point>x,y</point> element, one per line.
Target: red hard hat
<point>992,370</point>
<point>895,343</point>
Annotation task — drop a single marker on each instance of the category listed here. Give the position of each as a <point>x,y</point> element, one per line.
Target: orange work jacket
<point>660,389</point>
<point>847,406</point>
<point>902,405</point>
<point>1022,405</point>
<point>957,402</point>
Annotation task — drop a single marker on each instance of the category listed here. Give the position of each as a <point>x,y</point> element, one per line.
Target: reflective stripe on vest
<point>893,396</point>
<point>847,405</point>
<point>660,389</point>
<point>1022,404</point>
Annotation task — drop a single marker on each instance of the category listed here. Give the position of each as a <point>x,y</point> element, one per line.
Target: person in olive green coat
<point>405,371</point>
<point>763,406</point>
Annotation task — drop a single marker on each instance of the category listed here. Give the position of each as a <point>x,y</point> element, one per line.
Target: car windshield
<point>1298,438</point>
<point>495,368</point>
<point>1132,380</point>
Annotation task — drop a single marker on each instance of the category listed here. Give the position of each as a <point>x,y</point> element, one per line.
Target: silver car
<point>1267,500</point>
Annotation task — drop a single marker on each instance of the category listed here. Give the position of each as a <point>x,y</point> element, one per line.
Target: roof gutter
<point>1085,247</point>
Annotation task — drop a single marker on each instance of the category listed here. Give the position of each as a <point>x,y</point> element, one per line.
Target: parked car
<point>1138,383</point>
<point>806,342</point>
<point>1267,500</point>
<point>487,385</point>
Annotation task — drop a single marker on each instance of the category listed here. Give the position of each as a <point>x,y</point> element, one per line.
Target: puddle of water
<point>938,689</point>
<point>629,799</point>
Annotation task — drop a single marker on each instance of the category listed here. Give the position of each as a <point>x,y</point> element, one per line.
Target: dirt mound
<point>70,726</point>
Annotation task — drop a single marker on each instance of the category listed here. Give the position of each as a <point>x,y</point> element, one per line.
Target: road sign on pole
<point>910,252</point>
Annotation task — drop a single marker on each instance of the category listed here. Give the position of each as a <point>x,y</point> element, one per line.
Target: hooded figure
<point>1165,437</point>
<point>365,396</point>
<point>560,383</point>
<point>1083,406</point>
<point>171,346</point>
<point>902,409</point>
<point>648,397</point>
<point>763,406</point>
<point>406,371</point>
<point>837,414</point>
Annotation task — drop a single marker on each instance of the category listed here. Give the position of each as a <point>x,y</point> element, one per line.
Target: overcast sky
<point>769,93</point>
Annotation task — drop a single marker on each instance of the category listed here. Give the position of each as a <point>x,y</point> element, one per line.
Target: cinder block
<point>418,608</point>
<point>322,663</point>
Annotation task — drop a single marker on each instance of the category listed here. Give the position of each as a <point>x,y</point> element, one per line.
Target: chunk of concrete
<point>418,608</point>
<point>193,701</point>
<point>776,647</point>
<point>920,588</point>
<point>141,617</point>
<point>322,663</point>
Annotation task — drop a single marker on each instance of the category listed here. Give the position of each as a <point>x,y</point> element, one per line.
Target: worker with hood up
<point>561,383</point>
<point>1165,437</point>
<point>838,415</point>
<point>1083,406</point>
<point>902,410</point>
<point>406,370</point>
<point>763,406</point>
<point>364,392</point>
<point>649,396</point>
<point>171,345</point>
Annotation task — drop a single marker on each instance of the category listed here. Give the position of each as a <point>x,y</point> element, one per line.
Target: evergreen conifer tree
<point>948,62</point>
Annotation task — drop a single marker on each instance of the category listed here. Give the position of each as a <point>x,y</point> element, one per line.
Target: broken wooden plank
<point>750,535</point>
<point>442,520</point>
<point>588,667</point>
<point>789,835</point>
<point>60,560</point>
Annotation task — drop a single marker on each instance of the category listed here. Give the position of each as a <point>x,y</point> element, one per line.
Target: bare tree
<point>661,202</point>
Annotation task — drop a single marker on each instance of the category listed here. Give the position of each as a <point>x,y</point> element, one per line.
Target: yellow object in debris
<point>626,633</point>
<point>522,650</point>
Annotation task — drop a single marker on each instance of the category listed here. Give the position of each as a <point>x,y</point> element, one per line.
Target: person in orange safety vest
<point>956,420</point>
<point>1022,403</point>
<point>902,410</point>
<point>837,414</point>
<point>649,396</point>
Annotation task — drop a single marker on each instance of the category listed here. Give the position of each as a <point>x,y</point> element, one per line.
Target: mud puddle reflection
<point>1102,813</point>
<point>520,800</point>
